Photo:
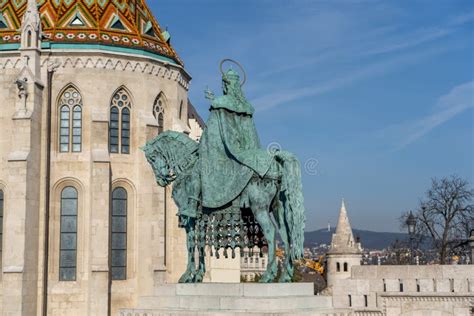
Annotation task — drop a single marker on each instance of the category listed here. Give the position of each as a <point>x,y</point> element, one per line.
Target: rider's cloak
<point>229,152</point>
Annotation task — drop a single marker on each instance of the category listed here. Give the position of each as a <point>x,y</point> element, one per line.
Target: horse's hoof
<point>284,278</point>
<point>186,278</point>
<point>198,279</point>
<point>266,279</point>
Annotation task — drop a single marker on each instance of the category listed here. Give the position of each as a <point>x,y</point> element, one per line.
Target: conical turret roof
<point>343,239</point>
<point>117,23</point>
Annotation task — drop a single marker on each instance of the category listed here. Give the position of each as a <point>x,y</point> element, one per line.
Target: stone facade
<point>394,290</point>
<point>78,248</point>
<point>408,290</point>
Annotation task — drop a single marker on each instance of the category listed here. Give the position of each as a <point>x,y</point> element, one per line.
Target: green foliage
<point>297,275</point>
<point>257,277</point>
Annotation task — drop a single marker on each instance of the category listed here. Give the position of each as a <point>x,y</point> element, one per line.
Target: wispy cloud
<point>374,50</point>
<point>421,36</point>
<point>458,100</point>
<point>272,100</point>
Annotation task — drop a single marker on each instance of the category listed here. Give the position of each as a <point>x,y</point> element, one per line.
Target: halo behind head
<point>236,63</point>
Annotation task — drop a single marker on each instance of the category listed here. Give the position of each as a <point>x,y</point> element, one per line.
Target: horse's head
<point>169,154</point>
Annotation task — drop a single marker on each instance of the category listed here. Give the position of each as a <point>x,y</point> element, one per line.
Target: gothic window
<point>68,237</point>
<point>366,301</point>
<point>400,282</point>
<point>418,285</point>
<point>76,129</point>
<point>119,129</point>
<point>338,267</point>
<point>125,131</point>
<point>345,266</point>
<point>70,126</point>
<point>1,223</point>
<point>350,300</point>
<point>181,110</point>
<point>119,234</point>
<point>64,129</point>
<point>28,39</point>
<point>159,113</point>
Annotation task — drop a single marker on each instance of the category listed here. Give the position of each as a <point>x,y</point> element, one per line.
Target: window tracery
<point>119,128</point>
<point>70,127</point>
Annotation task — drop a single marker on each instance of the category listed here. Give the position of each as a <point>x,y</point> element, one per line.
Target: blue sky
<point>375,97</point>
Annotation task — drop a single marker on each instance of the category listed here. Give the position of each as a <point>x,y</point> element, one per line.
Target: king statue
<point>227,188</point>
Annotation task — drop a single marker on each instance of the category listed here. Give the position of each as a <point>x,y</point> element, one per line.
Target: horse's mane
<point>178,150</point>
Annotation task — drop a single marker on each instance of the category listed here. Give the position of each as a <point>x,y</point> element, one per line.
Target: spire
<point>343,239</point>
<point>31,26</point>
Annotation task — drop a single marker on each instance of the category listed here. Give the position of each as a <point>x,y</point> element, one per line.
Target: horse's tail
<point>291,195</point>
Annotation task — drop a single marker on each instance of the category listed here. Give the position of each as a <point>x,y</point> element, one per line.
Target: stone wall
<point>400,290</point>
<point>155,246</point>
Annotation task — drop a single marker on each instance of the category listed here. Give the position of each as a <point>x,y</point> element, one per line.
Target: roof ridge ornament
<point>236,63</point>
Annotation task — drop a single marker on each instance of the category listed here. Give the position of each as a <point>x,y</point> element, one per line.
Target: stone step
<point>232,299</point>
<point>235,303</point>
<point>302,312</point>
<point>236,289</point>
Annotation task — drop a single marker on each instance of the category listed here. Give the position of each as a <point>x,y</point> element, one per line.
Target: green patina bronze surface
<point>227,187</point>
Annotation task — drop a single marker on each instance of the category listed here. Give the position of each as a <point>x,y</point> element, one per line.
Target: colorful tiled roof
<point>125,23</point>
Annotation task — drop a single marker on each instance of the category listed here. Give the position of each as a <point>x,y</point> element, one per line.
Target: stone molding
<point>18,156</point>
<point>13,269</point>
<point>165,71</point>
<point>430,297</point>
<point>367,313</point>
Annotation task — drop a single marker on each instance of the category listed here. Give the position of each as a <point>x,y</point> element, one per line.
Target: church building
<point>84,229</point>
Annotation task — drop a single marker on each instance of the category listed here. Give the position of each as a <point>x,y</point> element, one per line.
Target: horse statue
<point>230,193</point>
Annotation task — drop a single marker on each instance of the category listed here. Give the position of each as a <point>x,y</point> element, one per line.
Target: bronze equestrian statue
<point>227,188</point>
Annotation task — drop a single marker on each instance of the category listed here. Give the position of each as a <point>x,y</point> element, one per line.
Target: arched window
<point>68,239</point>
<point>181,110</point>
<point>159,113</point>
<point>119,129</point>
<point>70,127</point>
<point>345,266</point>
<point>338,267</point>
<point>119,234</point>
<point>28,39</point>
<point>1,225</point>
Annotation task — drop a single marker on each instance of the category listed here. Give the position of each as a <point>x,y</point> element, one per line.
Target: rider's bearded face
<point>225,86</point>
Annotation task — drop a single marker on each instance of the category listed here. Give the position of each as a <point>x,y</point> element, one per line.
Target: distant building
<point>393,289</point>
<point>252,264</point>
<point>344,251</point>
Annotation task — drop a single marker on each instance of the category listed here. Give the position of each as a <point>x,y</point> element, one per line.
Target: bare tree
<point>399,253</point>
<point>446,214</point>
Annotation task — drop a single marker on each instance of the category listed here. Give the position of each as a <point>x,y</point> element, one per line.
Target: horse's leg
<point>188,275</point>
<point>202,265</point>
<point>287,268</point>
<point>263,218</point>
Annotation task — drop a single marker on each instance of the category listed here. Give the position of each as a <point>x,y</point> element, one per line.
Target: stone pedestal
<point>232,299</point>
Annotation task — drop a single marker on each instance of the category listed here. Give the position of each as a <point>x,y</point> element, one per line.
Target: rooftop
<point>119,23</point>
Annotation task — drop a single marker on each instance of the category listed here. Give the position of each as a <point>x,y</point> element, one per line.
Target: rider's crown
<point>232,75</point>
